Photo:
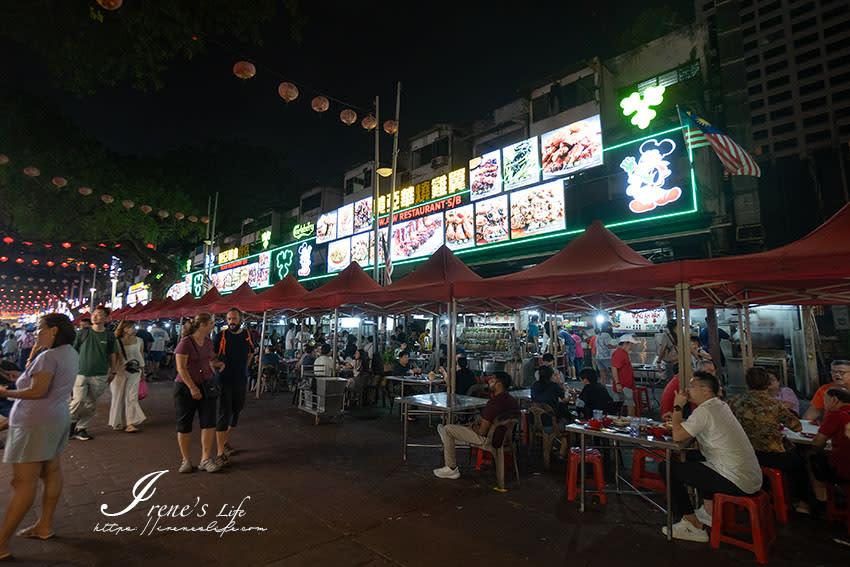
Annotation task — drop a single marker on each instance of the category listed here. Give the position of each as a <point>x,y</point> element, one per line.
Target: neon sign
<point>233,253</point>
<point>266,237</point>
<point>305,259</point>
<point>640,106</point>
<point>648,174</point>
<point>303,230</point>
<point>283,259</point>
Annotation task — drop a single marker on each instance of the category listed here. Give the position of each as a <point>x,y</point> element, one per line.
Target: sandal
<point>28,532</point>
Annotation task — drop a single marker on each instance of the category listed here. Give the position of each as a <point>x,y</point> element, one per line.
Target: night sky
<point>457,61</point>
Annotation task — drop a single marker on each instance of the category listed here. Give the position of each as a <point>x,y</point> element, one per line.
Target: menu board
<point>360,252</point>
<point>326,228</point>
<point>345,220</point>
<point>491,220</point>
<point>418,237</point>
<point>256,273</point>
<point>460,227</point>
<point>339,255</point>
<point>363,214</point>
<point>520,164</point>
<point>538,209</point>
<point>572,147</point>
<point>484,178</point>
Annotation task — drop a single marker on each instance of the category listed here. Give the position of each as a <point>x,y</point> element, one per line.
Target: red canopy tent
<point>430,283</point>
<point>173,308</point>
<point>200,305</point>
<point>116,315</point>
<point>285,294</point>
<point>240,296</point>
<point>142,312</point>
<point>350,286</point>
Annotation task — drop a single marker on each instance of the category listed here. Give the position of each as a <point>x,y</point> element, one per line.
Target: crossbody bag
<point>210,388</point>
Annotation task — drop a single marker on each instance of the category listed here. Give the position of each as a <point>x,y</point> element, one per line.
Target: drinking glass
<point>597,414</point>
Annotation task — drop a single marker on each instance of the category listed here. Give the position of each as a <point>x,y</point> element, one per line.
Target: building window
<point>800,10</point>
<point>783,128</point>
<point>775,52</point>
<point>838,45</point>
<point>750,30</point>
<point>811,88</point>
<point>830,14</point>
<point>784,145</point>
<point>814,120</point>
<point>810,71</point>
<point>766,9</point>
<point>671,77</point>
<point>766,24</point>
<point>841,95</point>
<point>782,112</point>
<point>540,107</point>
<point>759,134</point>
<point>776,67</point>
<point>312,202</point>
<point>754,74</point>
<point>751,60</point>
<point>817,136</point>
<point>759,119</point>
<point>756,104</point>
<point>803,41</point>
<point>839,79</point>
<point>577,93</point>
<point>778,82</point>
<point>425,154</point>
<point>838,62</point>
<point>779,97</point>
<point>805,24</point>
<point>755,89</point>
<point>808,56</point>
<point>814,103</point>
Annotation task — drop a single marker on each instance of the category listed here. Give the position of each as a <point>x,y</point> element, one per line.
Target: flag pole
<point>375,191</point>
<point>388,264</point>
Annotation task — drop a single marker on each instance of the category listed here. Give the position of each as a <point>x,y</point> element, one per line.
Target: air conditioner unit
<point>439,161</point>
<point>749,233</point>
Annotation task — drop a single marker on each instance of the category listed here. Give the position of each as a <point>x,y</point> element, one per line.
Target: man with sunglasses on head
<point>840,372</point>
<point>730,465</point>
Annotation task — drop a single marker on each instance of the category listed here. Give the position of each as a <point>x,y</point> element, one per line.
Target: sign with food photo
<point>485,176</point>
<point>326,228</point>
<point>360,249</point>
<point>339,255</point>
<point>460,227</point>
<point>520,164</point>
<point>345,220</point>
<point>363,214</point>
<point>491,220</point>
<point>538,210</point>
<point>419,237</point>
<point>572,148</point>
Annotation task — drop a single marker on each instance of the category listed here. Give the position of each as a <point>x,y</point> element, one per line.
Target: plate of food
<point>363,214</point>
<point>326,228</point>
<point>491,220</point>
<point>345,221</point>
<point>339,255</point>
<point>360,249</point>
<point>520,164</point>
<point>460,227</point>
<point>419,237</point>
<point>572,147</point>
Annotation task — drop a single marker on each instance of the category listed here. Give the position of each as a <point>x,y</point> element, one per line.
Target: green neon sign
<point>303,230</point>
<point>283,260</point>
<point>640,106</point>
<point>266,237</point>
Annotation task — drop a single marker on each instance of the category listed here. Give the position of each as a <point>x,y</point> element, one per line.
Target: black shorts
<point>186,406</point>
<point>230,404</point>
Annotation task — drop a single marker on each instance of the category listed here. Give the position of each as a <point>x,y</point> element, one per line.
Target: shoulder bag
<point>210,388</point>
<point>131,366</point>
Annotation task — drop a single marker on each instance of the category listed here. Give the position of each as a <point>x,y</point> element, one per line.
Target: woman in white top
<point>125,408</point>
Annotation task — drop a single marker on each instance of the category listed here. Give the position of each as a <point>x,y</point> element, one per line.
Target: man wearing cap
<point>622,373</point>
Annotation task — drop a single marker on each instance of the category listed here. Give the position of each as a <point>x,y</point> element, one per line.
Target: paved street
<point>340,495</point>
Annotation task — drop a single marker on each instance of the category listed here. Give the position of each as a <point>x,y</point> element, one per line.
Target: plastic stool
<point>642,478</point>
<point>592,457</point>
<point>778,493</point>
<point>761,528</point>
<point>486,458</point>
<point>642,402</point>
<point>524,421</point>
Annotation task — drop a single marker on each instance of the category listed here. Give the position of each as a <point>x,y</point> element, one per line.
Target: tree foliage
<point>85,47</point>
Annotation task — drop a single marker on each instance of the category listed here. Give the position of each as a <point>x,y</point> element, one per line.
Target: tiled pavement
<point>339,495</point>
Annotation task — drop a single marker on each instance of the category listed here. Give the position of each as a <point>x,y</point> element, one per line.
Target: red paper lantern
<point>4,159</point>
<point>244,70</point>
<point>27,243</point>
<point>151,246</point>
<point>163,214</point>
<point>92,266</point>
<point>205,220</point>
<point>390,126</point>
<point>85,190</point>
<point>102,245</point>
<point>34,263</point>
<point>192,218</point>
<point>106,266</point>
<point>108,199</point>
<point>369,122</point>
<point>4,258</point>
<point>179,216</point>
<point>128,204</point>
<point>348,117</point>
<point>64,264</point>
<point>31,171</point>
<point>8,239</point>
<point>146,208</point>
<point>48,246</point>
<point>287,91</point>
<point>110,5</point>
<point>59,181</point>
<point>320,104</point>
<point>50,263</point>
<point>66,245</point>
<point>19,260</point>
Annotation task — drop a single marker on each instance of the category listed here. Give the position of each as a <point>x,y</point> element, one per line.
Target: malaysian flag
<point>735,159</point>
<point>694,137</point>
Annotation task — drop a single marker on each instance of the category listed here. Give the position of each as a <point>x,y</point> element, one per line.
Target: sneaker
<point>186,467</point>
<point>703,516</point>
<point>448,472</point>
<point>210,465</point>
<point>82,435</point>
<point>685,530</point>
<point>73,430</point>
<point>229,450</point>
<point>223,460</point>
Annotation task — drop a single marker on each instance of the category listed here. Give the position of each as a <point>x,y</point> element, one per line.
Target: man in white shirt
<point>730,465</point>
<point>324,365</point>
<point>10,348</point>
<point>289,342</point>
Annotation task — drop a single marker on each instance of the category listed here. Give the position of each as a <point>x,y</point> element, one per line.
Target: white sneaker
<point>447,472</point>
<point>703,516</point>
<point>685,530</point>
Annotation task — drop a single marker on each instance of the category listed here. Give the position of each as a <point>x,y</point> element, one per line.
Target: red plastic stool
<point>778,493</point>
<point>486,458</point>
<point>761,528</point>
<point>834,514</point>
<point>642,402</point>
<point>641,477</point>
<point>524,419</point>
<point>591,457</point>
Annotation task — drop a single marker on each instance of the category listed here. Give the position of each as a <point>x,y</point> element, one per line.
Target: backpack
<point>671,355</point>
<point>110,339</point>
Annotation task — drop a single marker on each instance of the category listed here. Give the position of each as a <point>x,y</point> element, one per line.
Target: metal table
<point>650,443</point>
<point>414,381</point>
<point>439,402</point>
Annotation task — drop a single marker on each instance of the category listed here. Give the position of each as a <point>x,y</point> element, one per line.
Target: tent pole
<point>688,370</point>
<point>452,348</point>
<point>335,334</point>
<point>680,335</point>
<point>260,356</point>
<point>750,357</point>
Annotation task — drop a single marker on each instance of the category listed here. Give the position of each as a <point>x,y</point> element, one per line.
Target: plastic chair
<point>642,478</point>
<point>499,454</point>
<point>761,529</point>
<point>592,457</point>
<point>779,493</point>
<point>538,410</point>
<point>642,403</point>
